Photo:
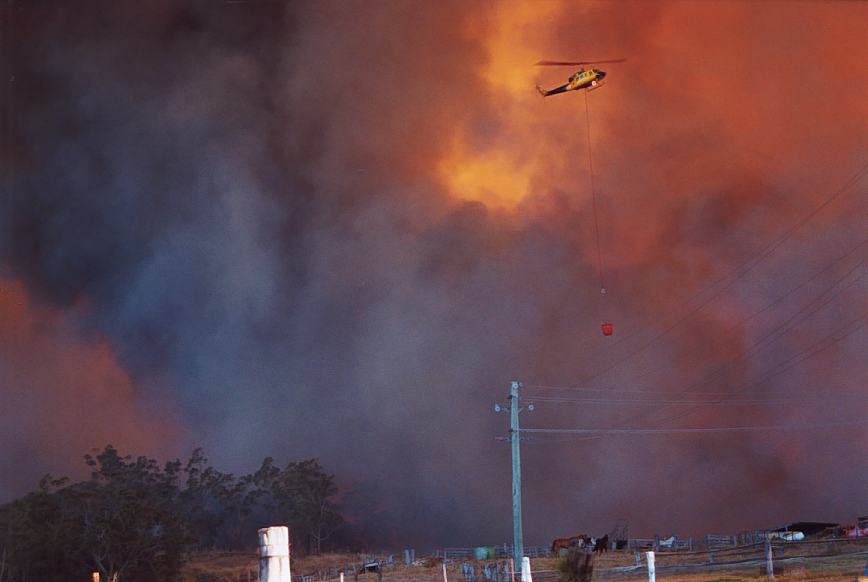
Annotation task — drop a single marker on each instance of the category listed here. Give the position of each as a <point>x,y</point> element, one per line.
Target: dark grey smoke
<point>236,190</point>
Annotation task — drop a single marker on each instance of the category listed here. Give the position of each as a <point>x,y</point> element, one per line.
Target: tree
<point>302,495</point>
<point>128,516</point>
<point>217,505</point>
<point>133,519</point>
<point>122,522</point>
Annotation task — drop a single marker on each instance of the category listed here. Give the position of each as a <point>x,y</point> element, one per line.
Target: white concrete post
<point>770,569</point>
<point>274,554</point>
<point>652,572</point>
<point>525,570</point>
<point>445,579</point>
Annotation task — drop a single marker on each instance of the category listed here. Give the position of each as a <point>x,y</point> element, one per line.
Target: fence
<point>673,543</point>
<point>502,551</point>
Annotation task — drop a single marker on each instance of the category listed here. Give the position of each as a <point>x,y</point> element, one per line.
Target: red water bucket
<point>607,329</point>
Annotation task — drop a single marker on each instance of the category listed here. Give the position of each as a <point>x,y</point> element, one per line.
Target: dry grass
<point>234,567</point>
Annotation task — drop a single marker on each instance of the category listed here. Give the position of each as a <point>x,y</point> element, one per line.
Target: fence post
<point>526,576</point>
<point>95,577</point>
<point>652,572</point>
<point>770,570</point>
<point>274,554</point>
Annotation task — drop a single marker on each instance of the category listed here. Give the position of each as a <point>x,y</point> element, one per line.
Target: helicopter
<point>583,79</point>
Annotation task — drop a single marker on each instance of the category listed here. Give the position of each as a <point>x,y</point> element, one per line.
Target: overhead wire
<point>675,402</point>
<point>771,304</point>
<point>852,327</point>
<point>762,343</point>
<point>737,274</point>
<point>695,405</point>
<point>819,347</point>
<point>716,429</point>
<point>781,329</point>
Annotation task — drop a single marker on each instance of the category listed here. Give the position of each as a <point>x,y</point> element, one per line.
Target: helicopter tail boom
<point>555,91</point>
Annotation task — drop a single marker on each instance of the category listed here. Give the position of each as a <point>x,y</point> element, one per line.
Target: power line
<point>674,402</point>
<point>739,272</point>
<point>817,348</point>
<point>776,301</point>
<point>780,328</point>
<point>718,429</point>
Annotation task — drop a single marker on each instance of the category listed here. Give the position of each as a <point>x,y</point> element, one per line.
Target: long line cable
<point>594,196</point>
<point>738,273</point>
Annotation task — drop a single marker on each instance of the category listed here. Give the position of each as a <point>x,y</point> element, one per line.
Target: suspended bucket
<point>607,329</point>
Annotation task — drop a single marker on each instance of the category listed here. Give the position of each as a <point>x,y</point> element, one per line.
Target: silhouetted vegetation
<point>576,566</point>
<point>135,520</point>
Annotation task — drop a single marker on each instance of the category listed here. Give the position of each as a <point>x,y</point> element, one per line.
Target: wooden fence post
<point>770,569</point>
<point>95,577</point>
<point>274,554</point>
<point>652,572</point>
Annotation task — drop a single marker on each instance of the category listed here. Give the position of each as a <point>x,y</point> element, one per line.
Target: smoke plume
<point>339,229</point>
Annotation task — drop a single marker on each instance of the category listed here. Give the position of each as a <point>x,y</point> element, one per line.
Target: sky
<point>341,229</point>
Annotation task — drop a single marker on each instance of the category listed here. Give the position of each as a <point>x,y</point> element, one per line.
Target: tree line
<point>135,519</point>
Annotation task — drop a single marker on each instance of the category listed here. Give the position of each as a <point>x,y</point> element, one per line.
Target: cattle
<point>601,544</point>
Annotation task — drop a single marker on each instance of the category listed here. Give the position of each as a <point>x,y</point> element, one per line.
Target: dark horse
<point>602,544</point>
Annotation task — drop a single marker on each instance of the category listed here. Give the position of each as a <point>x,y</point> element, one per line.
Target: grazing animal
<point>577,541</point>
<point>601,544</point>
<point>561,544</point>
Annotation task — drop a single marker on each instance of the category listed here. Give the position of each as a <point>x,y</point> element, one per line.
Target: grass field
<point>836,561</point>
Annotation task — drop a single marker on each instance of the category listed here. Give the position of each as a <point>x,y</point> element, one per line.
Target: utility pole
<point>515,439</point>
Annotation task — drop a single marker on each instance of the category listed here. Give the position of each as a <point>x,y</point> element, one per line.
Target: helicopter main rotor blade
<point>574,63</point>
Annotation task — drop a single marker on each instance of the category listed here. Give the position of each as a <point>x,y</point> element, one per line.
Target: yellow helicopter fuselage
<point>584,79</point>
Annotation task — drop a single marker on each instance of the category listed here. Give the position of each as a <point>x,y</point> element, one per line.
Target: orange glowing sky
<point>69,392</point>
<point>346,207</point>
